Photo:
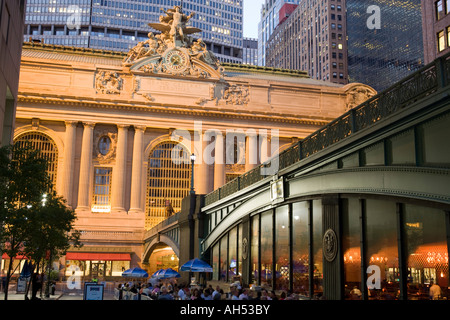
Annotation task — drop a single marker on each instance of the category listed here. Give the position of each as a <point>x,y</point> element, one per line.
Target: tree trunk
<point>36,284</point>
<point>8,276</point>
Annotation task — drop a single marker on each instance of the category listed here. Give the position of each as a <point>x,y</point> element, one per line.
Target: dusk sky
<point>252,11</point>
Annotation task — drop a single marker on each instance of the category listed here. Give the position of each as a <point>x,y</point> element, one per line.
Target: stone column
<point>201,168</point>
<point>69,156</point>
<point>251,150</point>
<point>219,163</point>
<point>136,171</point>
<point>85,166</point>
<point>119,171</point>
<point>264,146</point>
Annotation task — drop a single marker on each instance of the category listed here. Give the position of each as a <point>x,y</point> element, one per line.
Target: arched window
<point>47,147</point>
<point>168,181</point>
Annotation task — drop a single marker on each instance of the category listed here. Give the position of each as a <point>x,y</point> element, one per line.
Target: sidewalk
<point>12,295</point>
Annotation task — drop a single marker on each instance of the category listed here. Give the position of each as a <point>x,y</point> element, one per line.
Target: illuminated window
<point>46,146</point>
<point>448,36</point>
<point>102,189</point>
<point>168,181</point>
<point>441,41</point>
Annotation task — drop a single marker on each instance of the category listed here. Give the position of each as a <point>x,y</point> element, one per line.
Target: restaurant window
<point>441,41</point>
<point>282,261</point>
<point>382,250</point>
<point>317,248</point>
<point>232,254</point>
<point>427,252</point>
<point>215,261</point>
<point>351,241</point>
<point>117,268</point>
<point>266,248</point>
<point>300,247</point>
<point>254,249</point>
<point>224,258</point>
<point>102,190</point>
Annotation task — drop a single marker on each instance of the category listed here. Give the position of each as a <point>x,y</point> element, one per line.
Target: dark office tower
<point>11,30</point>
<point>384,41</point>
<point>250,51</point>
<point>120,24</point>
<point>312,38</point>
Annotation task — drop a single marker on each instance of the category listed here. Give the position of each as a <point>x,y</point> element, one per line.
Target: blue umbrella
<point>157,274</point>
<point>169,273</point>
<point>196,265</point>
<point>26,270</point>
<point>135,273</point>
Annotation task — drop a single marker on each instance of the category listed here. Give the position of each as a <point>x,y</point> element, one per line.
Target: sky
<point>252,12</point>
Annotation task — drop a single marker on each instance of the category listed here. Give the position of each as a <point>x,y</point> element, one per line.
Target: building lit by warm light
<point>110,122</point>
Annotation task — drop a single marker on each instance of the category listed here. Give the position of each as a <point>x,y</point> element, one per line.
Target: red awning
<point>98,256</point>
<point>19,257</point>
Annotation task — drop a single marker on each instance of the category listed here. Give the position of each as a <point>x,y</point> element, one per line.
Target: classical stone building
<point>119,130</point>
<point>11,29</point>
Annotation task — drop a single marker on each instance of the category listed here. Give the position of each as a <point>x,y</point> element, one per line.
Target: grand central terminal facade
<point>109,122</point>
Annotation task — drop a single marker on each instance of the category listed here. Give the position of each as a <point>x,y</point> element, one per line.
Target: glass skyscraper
<point>270,19</point>
<point>120,24</point>
<point>384,41</point>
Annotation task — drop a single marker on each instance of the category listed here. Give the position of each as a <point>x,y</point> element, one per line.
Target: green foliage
<point>34,221</point>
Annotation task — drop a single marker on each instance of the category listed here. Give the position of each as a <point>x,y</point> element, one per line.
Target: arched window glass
<point>168,181</point>
<point>47,147</point>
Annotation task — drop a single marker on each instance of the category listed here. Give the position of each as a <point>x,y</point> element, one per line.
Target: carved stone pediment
<point>236,95</point>
<point>108,82</point>
<point>173,52</point>
<point>104,148</point>
<point>357,93</point>
<point>177,62</point>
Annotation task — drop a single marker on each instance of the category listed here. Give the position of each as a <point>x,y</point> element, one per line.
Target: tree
<point>30,226</point>
<point>51,234</point>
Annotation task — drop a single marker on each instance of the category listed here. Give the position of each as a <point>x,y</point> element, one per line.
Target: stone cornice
<point>175,109</point>
<point>75,50</point>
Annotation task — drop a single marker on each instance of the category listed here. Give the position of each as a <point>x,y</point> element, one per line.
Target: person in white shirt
<point>244,294</point>
<point>435,291</point>
<point>181,294</point>
<point>217,291</point>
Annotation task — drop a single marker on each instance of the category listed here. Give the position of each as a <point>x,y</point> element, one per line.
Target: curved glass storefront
<point>386,249</point>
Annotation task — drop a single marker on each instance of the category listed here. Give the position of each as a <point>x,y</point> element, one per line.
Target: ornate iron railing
<point>418,85</point>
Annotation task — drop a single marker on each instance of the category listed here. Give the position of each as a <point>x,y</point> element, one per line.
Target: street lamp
<point>192,173</point>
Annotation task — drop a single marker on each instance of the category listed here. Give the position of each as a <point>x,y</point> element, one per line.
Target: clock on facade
<point>176,61</point>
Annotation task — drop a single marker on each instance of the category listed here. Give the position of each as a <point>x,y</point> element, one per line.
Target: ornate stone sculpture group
<point>173,51</point>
